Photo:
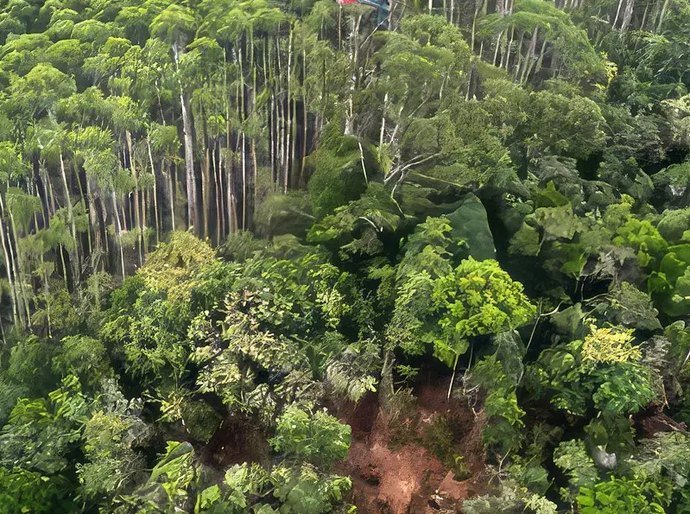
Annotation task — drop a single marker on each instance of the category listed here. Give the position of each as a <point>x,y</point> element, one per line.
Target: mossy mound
<point>340,170</point>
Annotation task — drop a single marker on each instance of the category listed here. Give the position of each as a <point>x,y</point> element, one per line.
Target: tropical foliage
<point>234,217</point>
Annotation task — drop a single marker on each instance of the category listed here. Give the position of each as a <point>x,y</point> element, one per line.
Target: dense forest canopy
<point>249,247</point>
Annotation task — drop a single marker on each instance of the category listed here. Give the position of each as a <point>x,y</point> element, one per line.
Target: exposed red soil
<point>392,471</point>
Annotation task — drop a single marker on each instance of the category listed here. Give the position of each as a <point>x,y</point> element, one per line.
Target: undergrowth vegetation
<point>223,223</point>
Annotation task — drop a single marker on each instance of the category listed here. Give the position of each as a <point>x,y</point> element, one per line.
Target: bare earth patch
<point>391,476</point>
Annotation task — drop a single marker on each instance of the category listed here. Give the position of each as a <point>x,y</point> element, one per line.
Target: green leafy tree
<point>476,298</point>
<point>622,495</point>
<point>318,438</point>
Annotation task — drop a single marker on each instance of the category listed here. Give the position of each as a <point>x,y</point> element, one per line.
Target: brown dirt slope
<point>404,464</point>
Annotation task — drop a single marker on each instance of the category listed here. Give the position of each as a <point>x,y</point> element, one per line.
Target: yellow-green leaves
<point>609,346</point>
<point>170,268</point>
<point>477,298</point>
<point>602,371</point>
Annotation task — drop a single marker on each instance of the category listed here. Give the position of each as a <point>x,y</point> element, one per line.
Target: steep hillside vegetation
<point>303,257</point>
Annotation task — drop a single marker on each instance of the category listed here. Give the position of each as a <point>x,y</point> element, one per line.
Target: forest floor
<point>407,464</point>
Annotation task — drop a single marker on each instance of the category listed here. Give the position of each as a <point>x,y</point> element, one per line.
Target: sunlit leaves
<point>624,389</point>
<point>170,268</point>
<point>428,251</point>
<point>39,90</point>
<point>11,162</point>
<point>316,437</point>
<point>477,298</point>
<point>173,475</point>
<point>605,345</point>
<point>621,495</point>
<point>603,371</point>
<point>40,433</point>
<point>175,25</point>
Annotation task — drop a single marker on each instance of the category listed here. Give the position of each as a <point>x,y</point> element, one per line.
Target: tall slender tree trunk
<point>643,23</point>
<point>95,223</point>
<point>520,57</point>
<point>118,228</point>
<point>19,270</point>
<point>540,59</point>
<point>74,254</point>
<point>382,130</point>
<point>188,131</point>
<point>171,188</point>
<point>218,196</point>
<point>618,12</point>
<point>205,191</point>
<point>627,15</point>
<point>288,111</point>
<point>662,16</point>
<point>354,60</point>
<point>498,46</point>
<point>156,213</point>
<point>82,197</point>
<point>243,167</point>
<point>11,276</point>
<point>138,225</point>
<point>530,60</point>
<point>192,214</point>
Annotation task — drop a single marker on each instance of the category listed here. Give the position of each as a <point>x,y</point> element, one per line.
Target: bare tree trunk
<point>627,15</point>
<point>156,213</point>
<point>232,202</point>
<point>138,226</point>
<point>18,268</point>
<point>68,205</point>
<point>498,45</point>
<point>290,124</point>
<point>47,192</point>
<point>474,27</point>
<point>506,53</point>
<point>243,168</point>
<point>529,61</point>
<point>293,142</point>
<point>644,17</point>
<point>205,193</point>
<point>520,57</point>
<point>218,196</point>
<point>618,12</point>
<point>662,16</point>
<point>144,210</point>
<point>118,228</point>
<point>171,186</point>
<point>192,215</point>
<point>188,129</point>
<point>305,121</point>
<point>540,60</point>
<point>229,183</point>
<point>255,167</point>
<point>382,131</point>
<point>11,276</point>
<point>93,215</point>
